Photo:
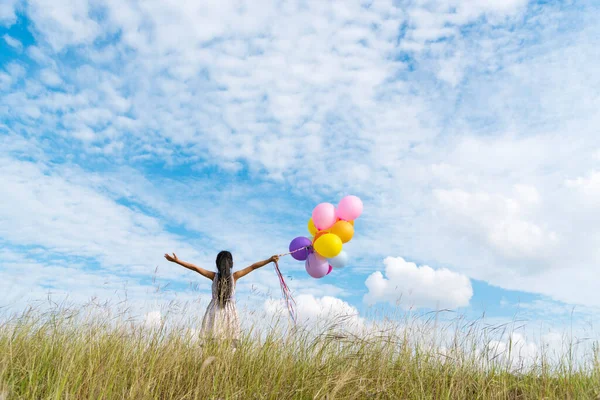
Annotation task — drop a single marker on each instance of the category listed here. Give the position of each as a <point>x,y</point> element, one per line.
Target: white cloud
<point>68,20</point>
<point>589,186</point>
<point>325,311</point>
<point>153,319</point>
<point>33,277</point>
<point>39,56</point>
<point>515,352</point>
<point>418,287</point>
<point>8,10</point>
<point>12,42</point>
<point>433,20</point>
<point>491,8</point>
<point>50,78</point>
<point>42,207</point>
<point>5,81</point>
<point>16,70</point>
<point>501,220</point>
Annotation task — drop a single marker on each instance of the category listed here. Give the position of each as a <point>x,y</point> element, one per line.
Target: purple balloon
<point>316,266</point>
<point>299,243</point>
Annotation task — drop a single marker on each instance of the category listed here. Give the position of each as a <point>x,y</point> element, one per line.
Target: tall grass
<point>68,355</point>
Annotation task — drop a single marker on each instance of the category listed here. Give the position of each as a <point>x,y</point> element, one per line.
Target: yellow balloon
<point>328,245</point>
<point>311,227</point>
<point>344,230</point>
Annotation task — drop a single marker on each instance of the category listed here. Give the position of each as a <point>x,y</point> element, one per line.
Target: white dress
<point>221,322</point>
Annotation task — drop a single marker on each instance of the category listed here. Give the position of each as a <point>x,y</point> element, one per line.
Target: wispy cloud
<point>12,42</point>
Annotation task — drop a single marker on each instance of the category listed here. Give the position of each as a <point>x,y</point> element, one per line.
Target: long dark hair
<point>225,282</point>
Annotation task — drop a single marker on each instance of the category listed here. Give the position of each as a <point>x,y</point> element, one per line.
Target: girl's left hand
<point>274,259</point>
<point>172,258</point>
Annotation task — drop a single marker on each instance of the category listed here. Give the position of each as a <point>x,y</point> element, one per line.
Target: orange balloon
<point>350,222</point>
<point>344,230</point>
<point>319,234</point>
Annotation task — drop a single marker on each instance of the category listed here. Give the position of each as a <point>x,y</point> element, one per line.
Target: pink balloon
<point>316,266</point>
<point>323,216</point>
<point>349,208</point>
<point>330,269</point>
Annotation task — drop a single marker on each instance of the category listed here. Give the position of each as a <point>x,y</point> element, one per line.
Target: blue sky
<point>469,128</point>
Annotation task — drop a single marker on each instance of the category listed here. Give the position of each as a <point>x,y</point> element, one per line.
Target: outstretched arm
<point>205,273</point>
<point>243,272</point>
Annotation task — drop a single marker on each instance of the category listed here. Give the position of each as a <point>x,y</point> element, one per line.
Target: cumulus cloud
<point>153,319</point>
<point>418,287</point>
<point>515,352</point>
<point>325,310</point>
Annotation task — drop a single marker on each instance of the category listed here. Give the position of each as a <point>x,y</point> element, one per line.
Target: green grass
<point>62,355</point>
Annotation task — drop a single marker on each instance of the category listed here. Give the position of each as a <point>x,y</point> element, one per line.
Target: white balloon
<point>339,261</point>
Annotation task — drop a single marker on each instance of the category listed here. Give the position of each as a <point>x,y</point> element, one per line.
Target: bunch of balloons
<point>330,228</point>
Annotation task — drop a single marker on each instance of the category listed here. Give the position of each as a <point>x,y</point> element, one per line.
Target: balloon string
<point>287,295</point>
<point>285,290</point>
<point>292,252</point>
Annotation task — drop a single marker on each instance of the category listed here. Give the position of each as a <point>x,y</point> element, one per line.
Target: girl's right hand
<point>172,258</point>
<point>274,259</point>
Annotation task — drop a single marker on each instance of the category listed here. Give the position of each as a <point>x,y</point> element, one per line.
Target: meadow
<point>73,354</point>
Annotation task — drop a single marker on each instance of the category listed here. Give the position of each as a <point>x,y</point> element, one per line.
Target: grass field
<point>62,355</point>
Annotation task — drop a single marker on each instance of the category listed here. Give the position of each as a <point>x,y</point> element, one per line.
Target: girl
<point>221,318</point>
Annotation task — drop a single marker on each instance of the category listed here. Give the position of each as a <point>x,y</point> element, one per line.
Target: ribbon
<point>285,290</point>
